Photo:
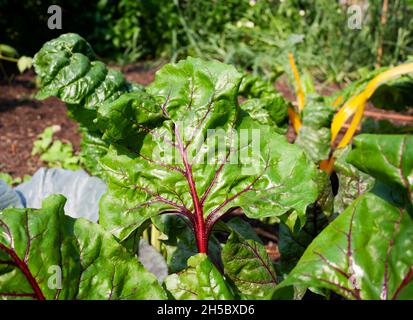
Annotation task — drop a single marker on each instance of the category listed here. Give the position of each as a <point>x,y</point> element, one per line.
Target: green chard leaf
<point>264,104</point>
<point>314,135</point>
<point>67,69</point>
<point>269,110</point>
<point>293,243</point>
<point>248,266</point>
<point>200,281</point>
<point>243,228</point>
<point>253,86</point>
<point>388,158</point>
<point>92,149</point>
<point>174,151</point>
<point>366,253</point>
<point>47,255</point>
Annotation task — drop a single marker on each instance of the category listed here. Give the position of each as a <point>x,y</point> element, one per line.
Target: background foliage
<point>252,34</point>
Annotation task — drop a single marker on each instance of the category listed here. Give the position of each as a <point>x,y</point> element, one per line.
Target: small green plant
<point>9,54</point>
<point>13,181</point>
<point>54,152</point>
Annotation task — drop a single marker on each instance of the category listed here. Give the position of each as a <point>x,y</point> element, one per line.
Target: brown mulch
<point>140,73</point>
<point>22,118</point>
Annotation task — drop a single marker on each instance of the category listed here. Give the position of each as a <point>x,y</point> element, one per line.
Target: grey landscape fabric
<point>82,191</point>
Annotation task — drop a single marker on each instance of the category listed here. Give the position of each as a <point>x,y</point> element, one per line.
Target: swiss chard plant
<point>183,146</point>
<point>366,252</point>
<point>201,142</point>
<point>361,254</point>
<point>45,254</point>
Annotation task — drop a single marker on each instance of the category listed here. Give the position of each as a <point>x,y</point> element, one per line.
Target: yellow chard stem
<point>355,106</point>
<point>299,89</point>
<point>294,119</point>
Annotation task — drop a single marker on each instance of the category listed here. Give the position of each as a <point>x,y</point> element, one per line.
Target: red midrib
<point>200,230</point>
<point>200,223</point>
<point>24,268</point>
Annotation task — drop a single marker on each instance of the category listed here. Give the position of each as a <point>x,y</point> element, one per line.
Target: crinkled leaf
<point>67,69</point>
<point>54,54</point>
<point>264,103</point>
<point>36,244</point>
<point>314,135</point>
<point>247,265</point>
<point>125,119</point>
<point>253,86</point>
<point>271,110</point>
<point>150,176</point>
<point>366,253</point>
<point>200,281</point>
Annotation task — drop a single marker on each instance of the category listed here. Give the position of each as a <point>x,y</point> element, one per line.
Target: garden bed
<point>24,117</point>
